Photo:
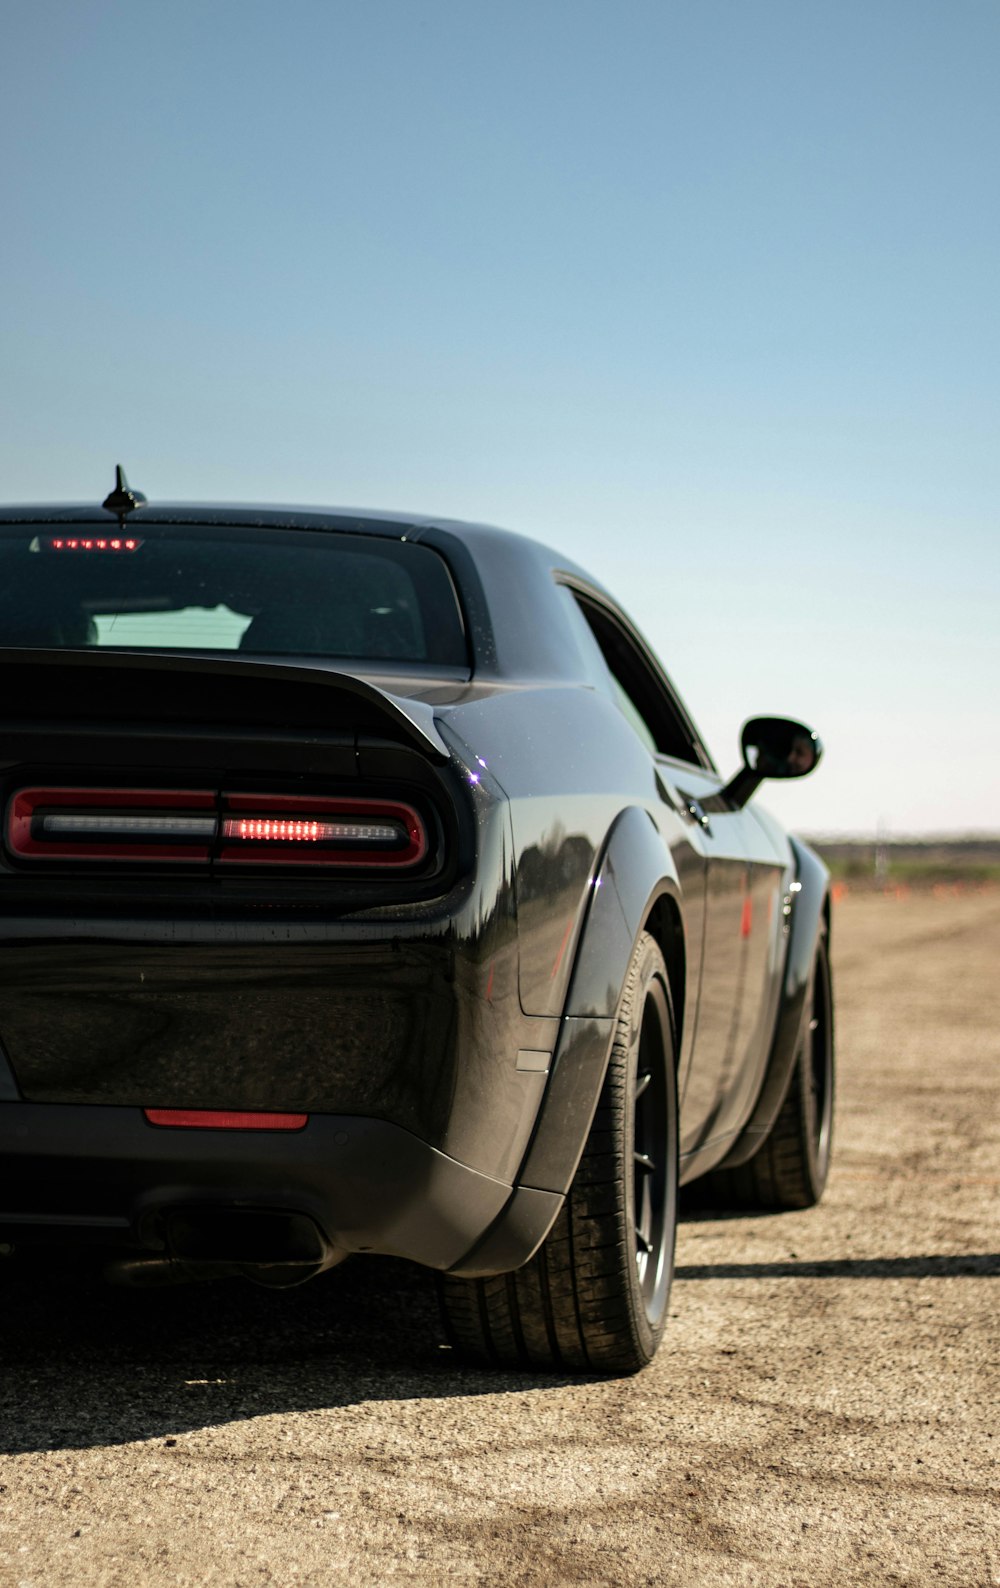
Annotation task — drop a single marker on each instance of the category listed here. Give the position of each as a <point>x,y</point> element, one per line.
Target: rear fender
<point>636,871</point>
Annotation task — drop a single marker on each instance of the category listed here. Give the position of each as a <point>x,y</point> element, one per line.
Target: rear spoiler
<point>172,686</point>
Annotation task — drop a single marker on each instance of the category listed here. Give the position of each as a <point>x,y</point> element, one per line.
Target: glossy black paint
<point>806,903</point>
<point>455,1025</point>
<point>367,1185</point>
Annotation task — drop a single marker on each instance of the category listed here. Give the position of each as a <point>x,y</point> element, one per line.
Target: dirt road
<point>825,1410</point>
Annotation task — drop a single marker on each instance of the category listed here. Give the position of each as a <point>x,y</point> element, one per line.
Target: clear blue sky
<point>705,294</point>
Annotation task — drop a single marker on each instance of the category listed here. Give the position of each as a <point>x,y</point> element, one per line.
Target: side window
<point>618,666</point>
<point>595,668</point>
<point>634,715</point>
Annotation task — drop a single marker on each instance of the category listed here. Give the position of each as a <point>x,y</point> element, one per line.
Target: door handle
<point>694,811</point>
<point>686,804</point>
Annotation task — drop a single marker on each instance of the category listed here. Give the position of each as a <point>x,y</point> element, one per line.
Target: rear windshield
<point>264,592</point>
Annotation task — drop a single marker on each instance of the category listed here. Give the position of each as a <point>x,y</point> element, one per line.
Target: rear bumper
<point>75,1174</point>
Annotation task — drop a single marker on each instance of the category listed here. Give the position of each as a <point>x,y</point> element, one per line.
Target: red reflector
<point>223,1119</point>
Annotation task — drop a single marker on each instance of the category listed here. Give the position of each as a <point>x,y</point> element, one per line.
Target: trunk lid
<point>205,982</point>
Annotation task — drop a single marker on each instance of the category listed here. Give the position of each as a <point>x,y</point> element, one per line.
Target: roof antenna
<point>122,500</point>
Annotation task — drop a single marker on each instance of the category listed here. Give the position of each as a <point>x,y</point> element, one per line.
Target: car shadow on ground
<point>89,1364</point>
<point>981,1265</point>
<point>696,1209</point>
<point>86,1364</point>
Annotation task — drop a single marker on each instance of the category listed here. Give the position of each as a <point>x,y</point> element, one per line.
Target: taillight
<point>112,824</point>
<point>303,830</point>
<point>201,825</point>
<point>80,825</point>
<point>292,829</point>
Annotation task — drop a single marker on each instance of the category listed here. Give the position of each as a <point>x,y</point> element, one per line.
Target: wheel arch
<point>665,924</point>
<point>634,889</point>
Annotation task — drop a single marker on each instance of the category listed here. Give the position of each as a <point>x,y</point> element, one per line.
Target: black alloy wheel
<point>654,1154</point>
<point>594,1297</point>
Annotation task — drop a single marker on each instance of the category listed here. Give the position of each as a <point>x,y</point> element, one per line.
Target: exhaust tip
<point>270,1246</point>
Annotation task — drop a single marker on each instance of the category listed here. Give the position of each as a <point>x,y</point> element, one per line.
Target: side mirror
<point>777,747</point>
<point>772,747</point>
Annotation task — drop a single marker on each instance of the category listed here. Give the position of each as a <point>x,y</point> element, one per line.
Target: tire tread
<point>568,1308</point>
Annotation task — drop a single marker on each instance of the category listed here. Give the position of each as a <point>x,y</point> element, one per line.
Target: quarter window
<point>616,663</point>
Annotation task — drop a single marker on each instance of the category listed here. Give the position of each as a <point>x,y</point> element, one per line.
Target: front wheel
<point>594,1297</point>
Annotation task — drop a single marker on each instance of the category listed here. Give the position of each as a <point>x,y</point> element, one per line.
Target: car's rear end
<point>258,979</point>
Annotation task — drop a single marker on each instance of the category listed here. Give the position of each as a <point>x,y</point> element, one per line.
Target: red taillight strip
<point>311,849</point>
<point>123,825</point>
<point>303,830</point>
<point>223,1119</point>
<point>29,805</point>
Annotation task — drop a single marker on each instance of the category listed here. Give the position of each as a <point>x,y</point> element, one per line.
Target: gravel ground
<point>824,1410</point>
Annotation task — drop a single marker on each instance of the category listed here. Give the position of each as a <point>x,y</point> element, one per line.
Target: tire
<point>594,1297</point>
<point>790,1168</point>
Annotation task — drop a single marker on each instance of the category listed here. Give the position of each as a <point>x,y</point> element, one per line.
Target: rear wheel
<point>789,1170</point>
<point>594,1297</point>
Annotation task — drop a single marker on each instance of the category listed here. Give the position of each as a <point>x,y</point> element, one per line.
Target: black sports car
<point>366,887</point>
